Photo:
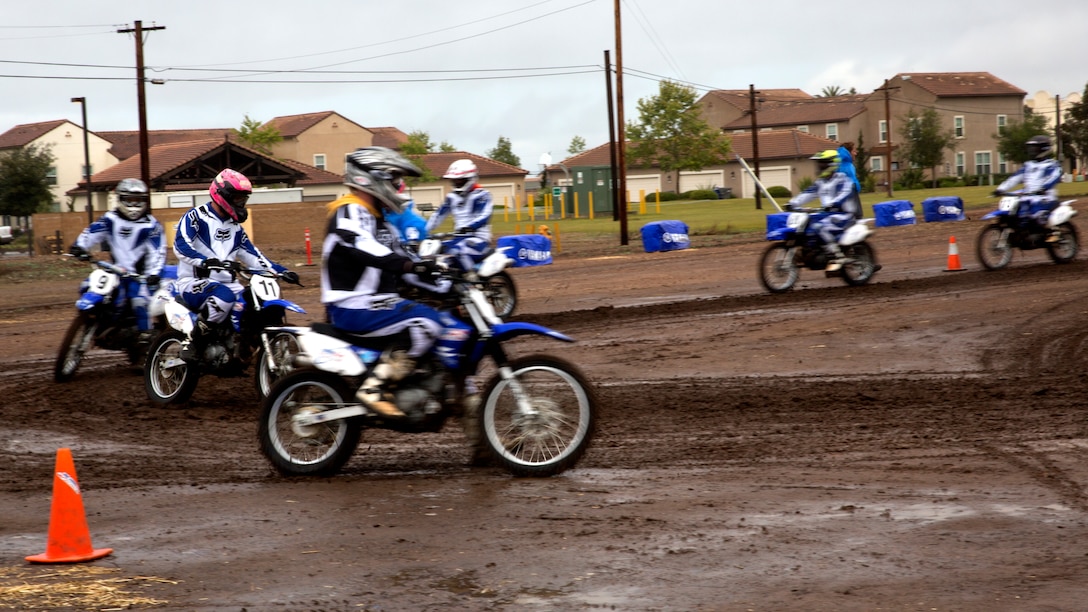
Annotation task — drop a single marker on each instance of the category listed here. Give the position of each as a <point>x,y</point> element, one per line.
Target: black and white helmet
<point>133,199</point>
<point>1038,146</point>
<point>380,172</point>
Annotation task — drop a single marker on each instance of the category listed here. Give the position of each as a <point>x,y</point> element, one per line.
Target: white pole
<point>756,180</point>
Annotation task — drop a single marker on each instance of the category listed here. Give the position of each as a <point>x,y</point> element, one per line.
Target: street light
<point>86,160</point>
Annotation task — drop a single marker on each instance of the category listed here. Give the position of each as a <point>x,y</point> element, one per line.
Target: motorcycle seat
<point>399,340</point>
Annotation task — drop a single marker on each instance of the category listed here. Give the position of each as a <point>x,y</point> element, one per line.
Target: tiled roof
<point>22,135</point>
<point>962,84</point>
<point>290,126</point>
<point>802,112</point>
<point>390,137</point>
<point>127,143</point>
<point>775,144</point>
<point>438,163</point>
<point>740,98</point>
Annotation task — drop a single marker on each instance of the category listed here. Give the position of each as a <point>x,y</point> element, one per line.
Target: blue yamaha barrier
<point>527,249</point>
<point>943,208</point>
<point>665,236</point>
<point>894,212</point>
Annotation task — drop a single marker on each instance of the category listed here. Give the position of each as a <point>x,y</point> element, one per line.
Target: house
<point>321,140</point>
<point>505,182</point>
<point>64,140</point>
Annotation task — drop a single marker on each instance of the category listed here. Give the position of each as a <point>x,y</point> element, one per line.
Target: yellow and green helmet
<point>827,162</point>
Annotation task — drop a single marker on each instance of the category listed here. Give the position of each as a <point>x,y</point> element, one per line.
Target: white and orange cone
<point>954,264</point>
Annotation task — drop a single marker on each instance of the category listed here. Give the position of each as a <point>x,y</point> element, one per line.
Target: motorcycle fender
<point>332,354</point>
<point>994,214</point>
<point>855,234</point>
<point>289,305</point>
<point>1062,214</point>
<point>179,317</point>
<point>506,331</point>
<point>89,300</point>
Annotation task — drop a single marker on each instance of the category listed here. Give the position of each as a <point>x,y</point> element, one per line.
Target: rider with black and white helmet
<point>1040,176</point>
<point>471,206</point>
<point>361,262</point>
<point>136,243</point>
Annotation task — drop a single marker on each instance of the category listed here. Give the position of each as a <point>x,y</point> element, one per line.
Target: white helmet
<point>132,198</point>
<point>463,173</point>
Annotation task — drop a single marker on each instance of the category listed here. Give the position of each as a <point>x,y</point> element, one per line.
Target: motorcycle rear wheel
<point>77,340</point>
<point>861,264</point>
<point>310,450</point>
<point>777,271</point>
<point>502,293</point>
<point>559,426</point>
<point>284,347</point>
<point>167,378</point>
<point>1066,248</point>
<point>993,248</point>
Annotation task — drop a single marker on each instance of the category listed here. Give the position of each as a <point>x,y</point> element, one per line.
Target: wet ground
<point>915,444</point>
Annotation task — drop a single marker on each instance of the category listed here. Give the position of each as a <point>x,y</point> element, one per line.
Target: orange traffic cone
<point>954,264</point>
<point>69,540</point>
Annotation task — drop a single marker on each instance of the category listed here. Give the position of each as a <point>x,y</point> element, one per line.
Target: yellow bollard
<point>642,201</point>
<point>558,244</point>
<point>657,195</point>
<point>505,208</point>
<point>517,210</point>
<point>590,211</point>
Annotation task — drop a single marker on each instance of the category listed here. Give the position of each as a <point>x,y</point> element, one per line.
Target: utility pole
<point>755,139</point>
<point>621,148</point>
<point>141,102</point>
<point>888,123</point>
<point>612,184</point>
<point>1058,128</point>
<point>86,161</point>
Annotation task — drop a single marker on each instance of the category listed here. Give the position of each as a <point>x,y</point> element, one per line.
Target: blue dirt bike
<point>105,321</point>
<point>797,245</point>
<point>1013,226</point>
<point>535,415</point>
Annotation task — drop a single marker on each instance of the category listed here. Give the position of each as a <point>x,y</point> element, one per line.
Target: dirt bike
<point>535,415</point>
<point>226,349</point>
<point>1013,227</point>
<point>102,324</point>
<point>499,287</point>
<point>797,245</point>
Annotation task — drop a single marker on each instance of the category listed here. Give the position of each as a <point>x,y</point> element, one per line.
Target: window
<point>961,163</point>
<point>957,125</point>
<point>982,163</point>
<point>51,176</point>
<point>832,131</point>
<point>802,128</point>
<point>319,161</point>
<point>876,164</point>
<point>1002,164</point>
<point>1002,120</point>
<point>882,128</point>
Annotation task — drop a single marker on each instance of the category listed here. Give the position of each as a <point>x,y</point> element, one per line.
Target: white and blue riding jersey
<point>835,194</point>
<point>1038,177</point>
<point>202,234</point>
<point>471,211</point>
<point>137,245</point>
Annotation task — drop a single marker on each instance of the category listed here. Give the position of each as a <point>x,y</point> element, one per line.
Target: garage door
<point>646,182</point>
<point>769,177</point>
<point>501,194</point>
<point>704,179</point>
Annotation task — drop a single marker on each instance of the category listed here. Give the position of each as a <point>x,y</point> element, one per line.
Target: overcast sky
<point>469,72</point>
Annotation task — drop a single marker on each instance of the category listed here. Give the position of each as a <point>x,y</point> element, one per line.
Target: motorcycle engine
<point>216,355</point>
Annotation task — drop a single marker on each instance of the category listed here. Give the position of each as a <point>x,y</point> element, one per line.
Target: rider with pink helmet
<point>211,235</point>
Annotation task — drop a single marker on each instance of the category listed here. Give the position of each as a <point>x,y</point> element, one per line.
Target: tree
<point>258,136</point>
<point>1010,142</point>
<point>24,180</point>
<point>415,149</point>
<point>831,91</point>
<point>502,152</point>
<point>672,134</point>
<point>1075,129</point>
<point>861,159</point>
<point>446,147</point>
<point>577,145</point>
<point>924,140</point>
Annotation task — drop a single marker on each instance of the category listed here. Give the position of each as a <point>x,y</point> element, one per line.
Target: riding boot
<point>374,393</point>
<point>835,257</point>
<point>198,339</point>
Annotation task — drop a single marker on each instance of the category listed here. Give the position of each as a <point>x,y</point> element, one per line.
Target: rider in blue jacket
<point>837,196</point>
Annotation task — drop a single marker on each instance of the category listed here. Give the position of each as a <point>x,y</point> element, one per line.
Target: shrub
<point>701,194</point>
<point>869,184</point>
<point>949,181</point>
<point>778,191</point>
<point>805,182</point>
<point>665,196</point>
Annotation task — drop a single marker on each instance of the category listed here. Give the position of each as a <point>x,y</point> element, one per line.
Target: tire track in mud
<point>1043,470</point>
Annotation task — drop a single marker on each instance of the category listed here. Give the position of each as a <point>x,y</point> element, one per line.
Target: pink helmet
<point>230,190</point>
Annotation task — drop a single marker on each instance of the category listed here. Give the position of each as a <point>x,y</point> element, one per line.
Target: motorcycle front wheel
<point>777,270</point>
<point>502,293</point>
<point>77,341</point>
<point>284,347</point>
<point>861,264</point>
<point>993,248</point>
<point>168,379</point>
<point>539,422</point>
<point>307,450</point>
<point>1065,249</point>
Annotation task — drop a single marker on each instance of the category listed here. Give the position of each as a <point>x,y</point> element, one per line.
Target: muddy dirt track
<point>915,444</point>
